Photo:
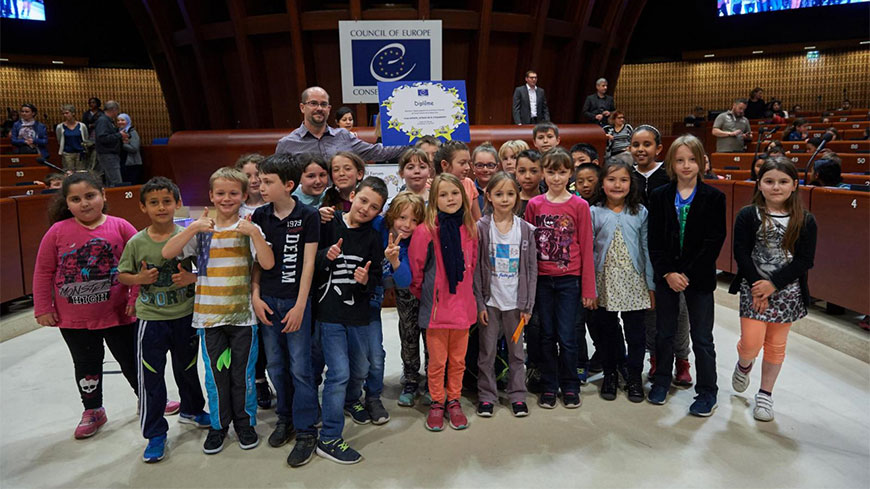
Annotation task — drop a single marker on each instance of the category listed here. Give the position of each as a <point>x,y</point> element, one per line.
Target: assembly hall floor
<point>820,437</point>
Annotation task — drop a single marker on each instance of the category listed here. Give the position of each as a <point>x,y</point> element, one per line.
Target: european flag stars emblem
<point>423,92</point>
<point>385,60</point>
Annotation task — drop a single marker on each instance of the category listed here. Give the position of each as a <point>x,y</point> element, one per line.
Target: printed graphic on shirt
<point>506,260</point>
<point>87,274</point>
<point>290,252</point>
<point>553,235</point>
<point>161,298</point>
<point>341,278</point>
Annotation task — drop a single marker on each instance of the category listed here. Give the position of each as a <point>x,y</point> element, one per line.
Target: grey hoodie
<point>528,277</point>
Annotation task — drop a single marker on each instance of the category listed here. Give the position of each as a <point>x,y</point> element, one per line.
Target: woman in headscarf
<point>29,136</point>
<point>131,160</point>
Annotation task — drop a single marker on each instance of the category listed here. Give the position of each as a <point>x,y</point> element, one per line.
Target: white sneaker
<point>739,380</point>
<point>763,407</point>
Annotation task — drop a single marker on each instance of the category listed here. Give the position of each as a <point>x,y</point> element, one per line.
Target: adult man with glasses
<point>315,135</point>
<point>530,102</point>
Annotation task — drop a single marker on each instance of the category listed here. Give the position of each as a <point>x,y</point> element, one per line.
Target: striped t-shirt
<point>223,283</point>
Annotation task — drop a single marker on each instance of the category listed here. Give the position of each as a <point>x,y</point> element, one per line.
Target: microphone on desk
<point>826,138</point>
<point>42,161</point>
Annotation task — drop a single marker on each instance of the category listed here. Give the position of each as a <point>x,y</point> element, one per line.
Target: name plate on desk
<point>411,110</point>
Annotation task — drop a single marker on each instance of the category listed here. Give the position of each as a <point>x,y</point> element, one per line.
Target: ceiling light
<point>757,52</point>
<point>709,55</point>
<point>56,62</point>
<point>809,47</point>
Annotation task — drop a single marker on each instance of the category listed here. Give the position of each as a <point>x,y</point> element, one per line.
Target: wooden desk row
<point>851,162</point>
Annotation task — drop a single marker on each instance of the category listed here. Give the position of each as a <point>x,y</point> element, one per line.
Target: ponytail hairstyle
<point>332,196</point>
<point>58,210</point>
<point>446,152</point>
<point>794,205</point>
<point>432,209</point>
<point>633,201</point>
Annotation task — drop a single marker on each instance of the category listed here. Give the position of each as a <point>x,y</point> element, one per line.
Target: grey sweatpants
<point>500,322</point>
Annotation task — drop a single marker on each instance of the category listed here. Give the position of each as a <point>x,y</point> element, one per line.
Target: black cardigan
<point>704,236</point>
<point>745,228</point>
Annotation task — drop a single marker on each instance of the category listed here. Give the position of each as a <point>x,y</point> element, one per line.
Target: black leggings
<point>86,348</point>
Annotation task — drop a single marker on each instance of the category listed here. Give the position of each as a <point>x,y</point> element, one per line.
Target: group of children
<point>542,244</point>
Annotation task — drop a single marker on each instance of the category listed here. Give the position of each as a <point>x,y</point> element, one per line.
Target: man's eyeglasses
<point>312,104</point>
<point>488,166</point>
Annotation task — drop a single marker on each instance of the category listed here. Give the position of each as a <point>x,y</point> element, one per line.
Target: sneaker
<point>547,400</point>
<point>457,418</point>
<point>201,420</point>
<point>609,386</point>
<point>376,411</point>
<point>683,375</point>
<point>658,394</point>
<point>264,394</point>
<point>533,380</point>
<point>582,375</point>
<point>283,433</point>
<point>214,442</point>
<point>303,450</point>
<point>90,423</point>
<point>703,406</point>
<point>357,413</point>
<point>520,409</point>
<point>338,451</point>
<point>426,398</point>
<point>763,407</point>
<point>635,388</point>
<point>408,395</point>
<point>248,437</point>
<point>435,419</point>
<point>155,450</point>
<point>571,400</point>
<point>652,366</point>
<point>484,409</point>
<point>740,380</point>
<point>172,407</point>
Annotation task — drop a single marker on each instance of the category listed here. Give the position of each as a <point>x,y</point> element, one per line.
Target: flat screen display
<point>23,9</point>
<point>728,8</point>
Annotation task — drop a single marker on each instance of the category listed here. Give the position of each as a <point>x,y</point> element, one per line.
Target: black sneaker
<point>357,413</point>
<point>283,433</point>
<point>484,409</point>
<point>571,400</point>
<point>533,380</point>
<point>547,400</point>
<point>609,386</point>
<point>303,450</point>
<point>520,409</point>
<point>377,412</point>
<point>214,442</point>
<point>248,438</point>
<point>264,394</point>
<point>408,395</point>
<point>635,388</point>
<point>622,370</point>
<point>338,451</point>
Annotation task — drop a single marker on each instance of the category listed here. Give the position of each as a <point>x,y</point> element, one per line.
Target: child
<point>54,181</point>
<point>545,136</point>
<point>564,242</point>
<point>443,255</point>
<point>345,281</point>
<point>280,298</point>
<point>407,211</point>
<point>346,170</point>
<point>798,130</point>
<point>623,274</point>
<point>165,312</point>
<point>453,158</point>
<point>756,165</point>
<point>774,246</point>
<point>314,179</point>
<point>686,232</point>
<point>582,153</point>
<point>504,286</point>
<point>529,175</point>
<point>508,153</point>
<point>586,180</point>
<point>485,163</point>
<point>76,288</point>
<point>414,169</point>
<point>430,146</point>
<point>225,248</point>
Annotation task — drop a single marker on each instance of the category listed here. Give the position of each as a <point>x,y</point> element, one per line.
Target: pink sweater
<point>76,275</point>
<point>563,235</point>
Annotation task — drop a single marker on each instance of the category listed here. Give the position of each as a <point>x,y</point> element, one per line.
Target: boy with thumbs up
<point>165,311</point>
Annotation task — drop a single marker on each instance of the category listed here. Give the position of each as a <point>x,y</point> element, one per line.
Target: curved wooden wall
<point>231,64</point>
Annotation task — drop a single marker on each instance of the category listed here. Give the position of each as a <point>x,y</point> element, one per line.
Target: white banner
<point>375,51</point>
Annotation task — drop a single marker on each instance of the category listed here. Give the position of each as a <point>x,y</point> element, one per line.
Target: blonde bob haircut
<point>515,145</point>
<point>401,202</point>
<point>695,146</point>
<point>432,210</point>
<point>231,174</point>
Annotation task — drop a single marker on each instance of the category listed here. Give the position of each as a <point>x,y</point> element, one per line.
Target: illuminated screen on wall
<point>22,9</point>
<point>728,8</point>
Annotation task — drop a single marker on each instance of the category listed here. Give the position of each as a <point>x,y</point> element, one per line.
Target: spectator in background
<point>775,112</point>
<point>131,160</point>
<point>344,119</point>
<point>696,118</point>
<point>29,136</point>
<point>530,102</point>
<point>795,109</point>
<point>775,148</point>
<point>731,128</point>
<point>89,118</point>
<point>847,105</point>
<point>599,105</point>
<point>108,141</point>
<point>827,172</point>
<point>11,119</point>
<point>835,134</point>
<point>798,131</point>
<point>618,134</point>
<point>71,135</point>
<point>755,106</point>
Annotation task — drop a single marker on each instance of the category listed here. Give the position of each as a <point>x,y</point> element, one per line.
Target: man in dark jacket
<point>108,142</point>
<point>599,105</point>
<point>530,102</point>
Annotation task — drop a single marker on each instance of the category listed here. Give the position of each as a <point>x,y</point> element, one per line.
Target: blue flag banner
<point>390,61</point>
<point>411,110</point>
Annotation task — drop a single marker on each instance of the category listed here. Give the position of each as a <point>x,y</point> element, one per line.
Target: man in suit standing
<point>530,103</point>
<point>599,105</point>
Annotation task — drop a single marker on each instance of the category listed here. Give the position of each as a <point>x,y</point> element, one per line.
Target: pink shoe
<point>435,420</point>
<point>172,407</point>
<point>91,421</point>
<point>458,421</point>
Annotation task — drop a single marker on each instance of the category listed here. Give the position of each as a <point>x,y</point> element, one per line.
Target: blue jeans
<point>344,362</point>
<point>370,342</point>
<point>558,299</point>
<point>288,357</point>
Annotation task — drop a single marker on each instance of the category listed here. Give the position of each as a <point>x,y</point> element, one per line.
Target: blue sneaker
<point>658,394</point>
<point>201,420</point>
<point>703,406</point>
<point>155,450</point>
<point>583,375</point>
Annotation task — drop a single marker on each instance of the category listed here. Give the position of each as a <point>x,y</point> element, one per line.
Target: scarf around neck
<point>451,247</point>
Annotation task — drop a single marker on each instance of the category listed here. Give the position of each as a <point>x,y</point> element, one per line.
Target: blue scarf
<point>451,247</point>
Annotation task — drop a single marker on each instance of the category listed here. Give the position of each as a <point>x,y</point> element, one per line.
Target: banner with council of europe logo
<point>374,51</point>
